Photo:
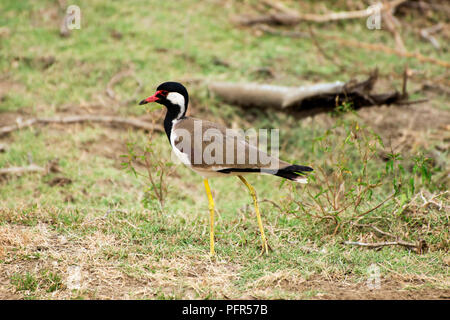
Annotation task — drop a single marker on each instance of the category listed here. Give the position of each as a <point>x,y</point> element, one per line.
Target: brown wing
<point>210,146</point>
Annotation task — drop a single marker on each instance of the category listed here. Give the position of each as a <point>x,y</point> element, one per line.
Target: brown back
<point>211,146</point>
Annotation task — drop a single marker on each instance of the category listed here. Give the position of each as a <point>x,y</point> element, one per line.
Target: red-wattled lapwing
<point>191,138</point>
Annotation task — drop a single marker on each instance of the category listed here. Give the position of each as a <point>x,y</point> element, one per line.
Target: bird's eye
<point>163,93</point>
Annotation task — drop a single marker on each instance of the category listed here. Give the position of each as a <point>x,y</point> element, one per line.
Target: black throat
<point>173,113</point>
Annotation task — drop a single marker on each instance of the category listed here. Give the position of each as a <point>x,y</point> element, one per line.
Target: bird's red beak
<point>153,98</point>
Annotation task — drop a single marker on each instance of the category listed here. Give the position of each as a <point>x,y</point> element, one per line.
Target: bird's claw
<point>265,248</point>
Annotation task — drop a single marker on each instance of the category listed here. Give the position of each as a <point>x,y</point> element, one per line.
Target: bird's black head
<point>173,95</point>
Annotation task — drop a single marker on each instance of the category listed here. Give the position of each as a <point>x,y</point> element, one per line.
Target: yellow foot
<point>265,248</point>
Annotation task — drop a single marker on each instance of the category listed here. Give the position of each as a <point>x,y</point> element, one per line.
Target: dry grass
<point>89,267</point>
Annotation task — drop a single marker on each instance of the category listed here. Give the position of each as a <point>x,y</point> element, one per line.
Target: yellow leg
<point>211,217</point>
<point>265,247</point>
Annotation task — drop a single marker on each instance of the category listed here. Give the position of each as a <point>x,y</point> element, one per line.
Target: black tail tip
<point>295,173</point>
<point>296,168</point>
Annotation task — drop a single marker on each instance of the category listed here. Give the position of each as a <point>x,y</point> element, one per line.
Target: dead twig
<point>286,16</point>
<point>427,34</point>
<point>375,228</point>
<point>363,45</point>
<point>117,78</point>
<point>388,50</point>
<point>135,123</point>
<point>21,170</point>
<point>324,53</point>
<point>407,103</point>
<point>272,203</point>
<point>374,208</point>
<point>382,244</point>
<point>420,246</point>
<point>427,202</point>
<point>405,83</point>
<point>391,25</point>
<point>52,166</point>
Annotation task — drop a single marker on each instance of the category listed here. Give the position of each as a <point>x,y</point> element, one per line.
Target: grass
<point>106,222</point>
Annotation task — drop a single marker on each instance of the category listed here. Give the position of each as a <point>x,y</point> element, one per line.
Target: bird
<point>212,150</point>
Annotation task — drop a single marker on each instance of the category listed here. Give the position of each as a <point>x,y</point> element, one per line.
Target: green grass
<point>104,221</point>
<point>24,282</point>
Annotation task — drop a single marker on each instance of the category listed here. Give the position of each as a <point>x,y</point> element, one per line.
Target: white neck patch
<point>177,99</point>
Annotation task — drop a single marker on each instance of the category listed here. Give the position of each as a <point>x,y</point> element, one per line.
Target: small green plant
<point>346,180</point>
<point>48,280</point>
<point>52,281</point>
<point>156,170</point>
<point>24,282</point>
<point>341,109</point>
<point>349,186</point>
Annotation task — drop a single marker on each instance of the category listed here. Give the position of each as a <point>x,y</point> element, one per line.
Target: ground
<point>93,230</point>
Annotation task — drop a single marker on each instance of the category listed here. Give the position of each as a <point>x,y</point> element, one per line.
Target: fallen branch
<point>382,244</point>
<point>427,34</point>
<point>391,24</point>
<point>112,120</point>
<point>117,78</point>
<point>20,170</point>
<point>386,49</point>
<point>358,44</point>
<point>305,100</point>
<point>286,16</point>
<point>52,166</point>
<point>420,246</point>
<point>283,33</point>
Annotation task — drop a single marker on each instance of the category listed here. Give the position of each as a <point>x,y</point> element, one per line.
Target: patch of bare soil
<point>7,86</point>
<point>319,287</point>
<point>406,129</point>
<point>409,127</point>
<point>389,289</point>
<point>45,16</point>
<point>106,146</point>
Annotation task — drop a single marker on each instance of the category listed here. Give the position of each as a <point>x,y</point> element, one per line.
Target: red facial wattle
<point>158,95</point>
